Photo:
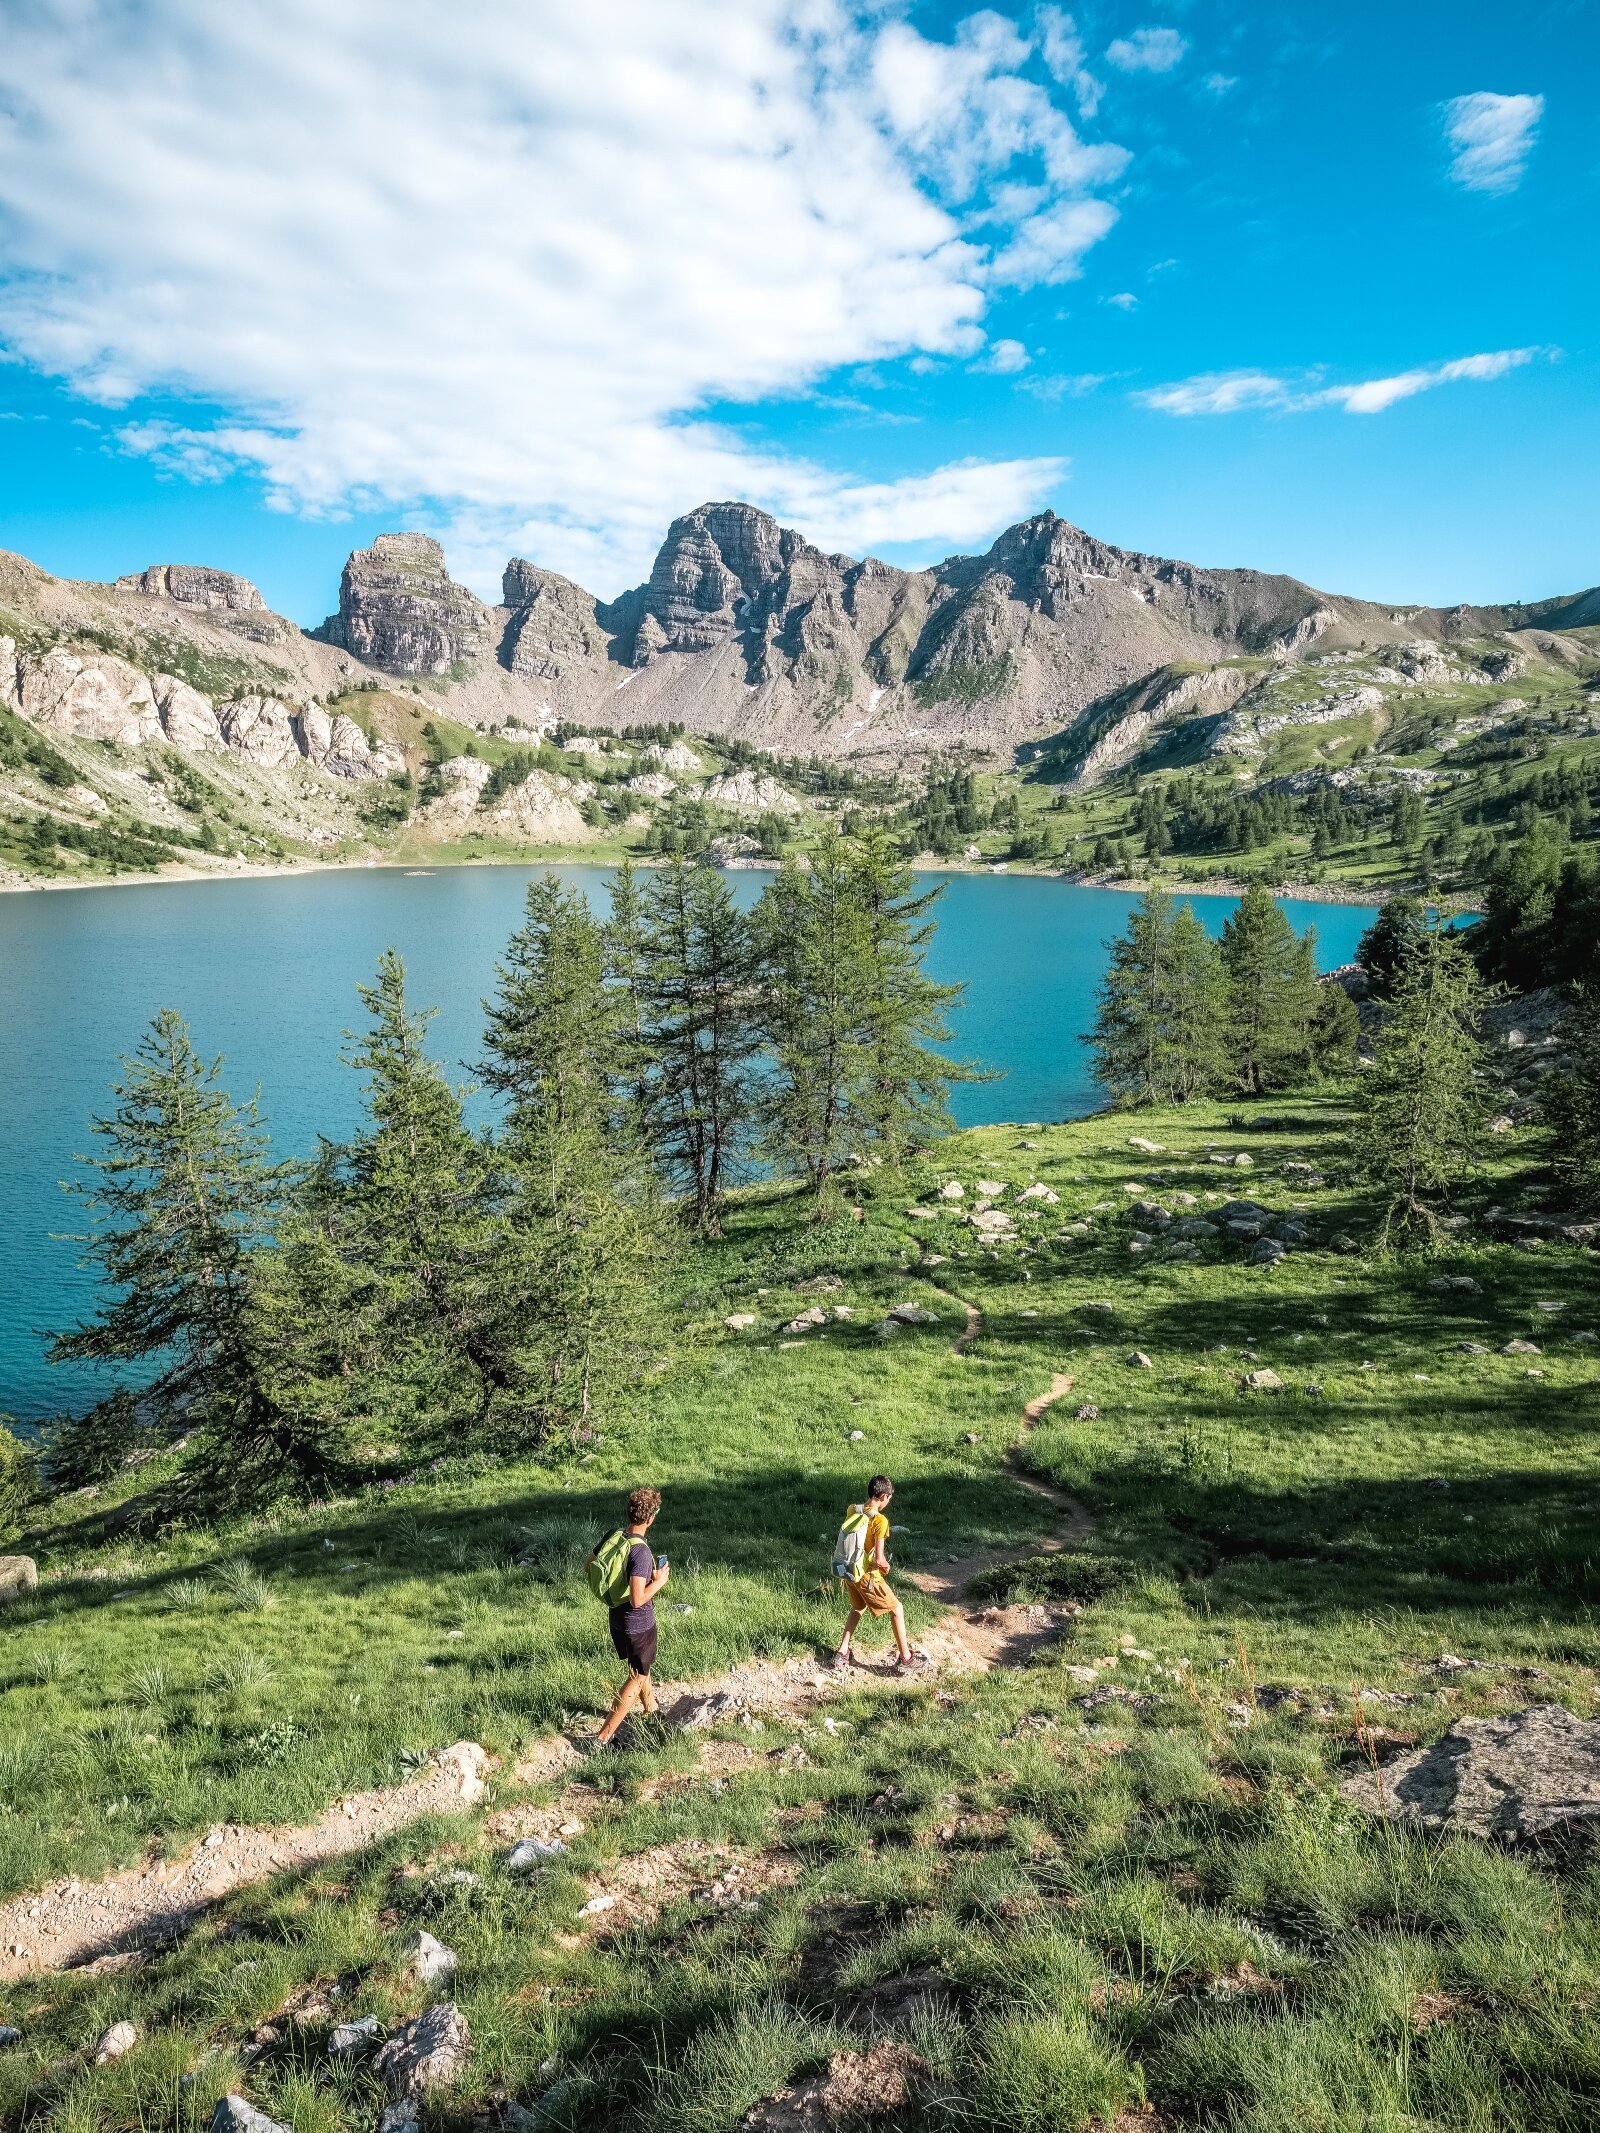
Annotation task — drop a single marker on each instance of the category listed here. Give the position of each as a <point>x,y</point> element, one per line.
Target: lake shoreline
<point>1334,893</point>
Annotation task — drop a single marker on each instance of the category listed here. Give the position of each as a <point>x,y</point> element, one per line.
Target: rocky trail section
<point>72,1923</point>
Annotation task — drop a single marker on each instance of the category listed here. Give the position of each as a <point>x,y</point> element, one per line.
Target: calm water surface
<point>266,971</point>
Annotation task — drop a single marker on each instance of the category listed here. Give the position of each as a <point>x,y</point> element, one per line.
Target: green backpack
<point>608,1569</point>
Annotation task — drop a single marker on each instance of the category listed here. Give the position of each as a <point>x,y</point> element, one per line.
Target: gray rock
<point>1521,1348</point>
<point>1519,1777</point>
<point>400,610</point>
<point>354,2036</point>
<point>1268,1251</point>
<point>1138,1360</point>
<point>19,1575</point>
<point>1151,1214</point>
<point>1194,1229</point>
<point>1088,1412</point>
<point>1243,1211</point>
<point>427,2052</point>
<point>116,2043</point>
<point>1263,1381</point>
<point>236,2114</point>
<point>530,1852</point>
<point>914,1315</point>
<point>432,1961</point>
<point>9,2038</point>
<point>1471,1348</point>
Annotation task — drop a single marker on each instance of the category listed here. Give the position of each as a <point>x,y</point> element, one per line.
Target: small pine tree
<point>1159,1025</point>
<point>581,1249</point>
<point>1570,1101</point>
<point>1390,941</point>
<point>1335,1029</point>
<point>184,1204</point>
<point>405,1239</point>
<point>810,943</point>
<point>1272,993</point>
<point>903,1098</point>
<point>1423,1105</point>
<point>696,981</point>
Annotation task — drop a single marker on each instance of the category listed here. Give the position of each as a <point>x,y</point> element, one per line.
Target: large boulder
<point>261,729</point>
<point>188,718</point>
<point>19,1575</point>
<point>1519,1776</point>
<point>748,792</point>
<point>91,696</point>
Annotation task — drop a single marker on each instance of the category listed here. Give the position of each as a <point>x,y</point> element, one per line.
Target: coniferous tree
<point>1159,1026</point>
<point>185,1203</point>
<point>1570,1101</point>
<point>1422,1111</point>
<point>405,1221</point>
<point>810,942</point>
<point>580,1243</point>
<point>1389,942</point>
<point>1335,1029</point>
<point>903,1098</point>
<point>700,1032</point>
<point>1272,993</point>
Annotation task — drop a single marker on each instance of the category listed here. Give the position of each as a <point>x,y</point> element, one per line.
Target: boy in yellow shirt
<point>870,1592</point>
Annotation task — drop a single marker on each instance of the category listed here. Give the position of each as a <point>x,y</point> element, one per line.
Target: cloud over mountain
<point>519,268</point>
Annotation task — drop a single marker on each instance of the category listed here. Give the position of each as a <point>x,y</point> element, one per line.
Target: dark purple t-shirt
<point>641,1564</point>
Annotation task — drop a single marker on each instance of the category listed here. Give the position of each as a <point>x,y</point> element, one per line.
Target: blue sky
<point>1311,290</point>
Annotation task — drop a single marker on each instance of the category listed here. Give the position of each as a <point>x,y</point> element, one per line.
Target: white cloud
<point>1227,392</point>
<point>1151,51</point>
<point>1124,300</point>
<point>1219,84</point>
<point>1492,137</point>
<point>514,268</point>
<point>1062,50</point>
<point>1004,358</point>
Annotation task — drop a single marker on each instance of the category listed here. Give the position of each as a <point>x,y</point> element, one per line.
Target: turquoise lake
<point>265,971</point>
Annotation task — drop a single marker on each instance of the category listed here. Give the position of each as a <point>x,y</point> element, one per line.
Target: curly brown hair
<point>643,1504</point>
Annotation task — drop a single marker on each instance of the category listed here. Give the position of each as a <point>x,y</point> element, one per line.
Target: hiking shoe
<point>907,1666</point>
<point>842,1662</point>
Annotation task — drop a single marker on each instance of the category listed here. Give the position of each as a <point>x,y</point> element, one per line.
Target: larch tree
<point>1422,1102</point>
<point>1569,1100</point>
<point>1159,1033</point>
<point>1272,993</point>
<point>581,1244</point>
<point>184,1205</point>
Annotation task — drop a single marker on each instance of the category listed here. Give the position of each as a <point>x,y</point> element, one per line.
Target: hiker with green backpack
<point>624,1573</point>
<point>861,1559</point>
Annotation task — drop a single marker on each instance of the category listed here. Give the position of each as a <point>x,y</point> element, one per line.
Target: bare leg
<point>852,1623</point>
<point>624,1704</point>
<point>647,1694</point>
<point>898,1618</point>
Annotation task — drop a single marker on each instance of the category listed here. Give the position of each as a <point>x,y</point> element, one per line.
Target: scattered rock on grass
<point>19,1575</point>
<point>9,2037</point>
<point>859,2088</point>
<point>1088,1412</point>
<point>236,2114</point>
<point>1520,1777</point>
<point>1263,1381</point>
<point>354,2036</point>
<point>1138,1360</point>
<point>117,2042</point>
<point>737,1321</point>
<point>432,1961</point>
<point>426,2052</point>
<point>531,1852</point>
<point>1521,1348</point>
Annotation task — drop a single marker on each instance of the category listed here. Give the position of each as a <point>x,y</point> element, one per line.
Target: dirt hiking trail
<point>111,1922</point>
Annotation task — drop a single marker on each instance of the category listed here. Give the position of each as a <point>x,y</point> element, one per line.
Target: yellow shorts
<point>871,1595</point>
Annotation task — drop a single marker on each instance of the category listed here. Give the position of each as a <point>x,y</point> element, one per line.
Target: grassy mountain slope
<point>1118,1879</point>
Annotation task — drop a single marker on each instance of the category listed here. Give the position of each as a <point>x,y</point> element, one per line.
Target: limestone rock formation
<point>1519,1776</point>
<point>747,791</point>
<point>336,744</point>
<point>188,719</point>
<point>400,610</point>
<point>554,632</point>
<point>92,697</point>
<point>194,585</point>
<point>539,809</point>
<point>260,728</point>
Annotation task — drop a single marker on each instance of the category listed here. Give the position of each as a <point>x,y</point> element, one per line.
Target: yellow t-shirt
<point>877,1530</point>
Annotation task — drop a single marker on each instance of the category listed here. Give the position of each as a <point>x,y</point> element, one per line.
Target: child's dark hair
<point>643,1505</point>
<point>879,1488</point>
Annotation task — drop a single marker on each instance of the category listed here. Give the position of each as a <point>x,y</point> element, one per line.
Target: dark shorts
<point>636,1648</point>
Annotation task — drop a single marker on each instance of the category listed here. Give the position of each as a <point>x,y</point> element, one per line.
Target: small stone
<point>1264,1381</point>
<point>211,1840</point>
<point>531,1852</point>
<point>1146,1147</point>
<point>236,2114</point>
<point>1521,1348</point>
<point>738,1320</point>
<point>1471,1348</point>
<point>595,1905</point>
<point>1244,1162</point>
<point>432,1961</point>
<point>118,2040</point>
<point>9,2038</point>
<point>913,1315</point>
<point>1088,1412</point>
<point>857,1436</point>
<point>990,1188</point>
<point>354,2036</point>
<point>19,1575</point>
<point>971,1437</point>
<point>952,1191</point>
<point>1138,1360</point>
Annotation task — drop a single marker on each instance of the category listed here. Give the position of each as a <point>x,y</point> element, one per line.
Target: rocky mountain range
<point>742,628</point>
